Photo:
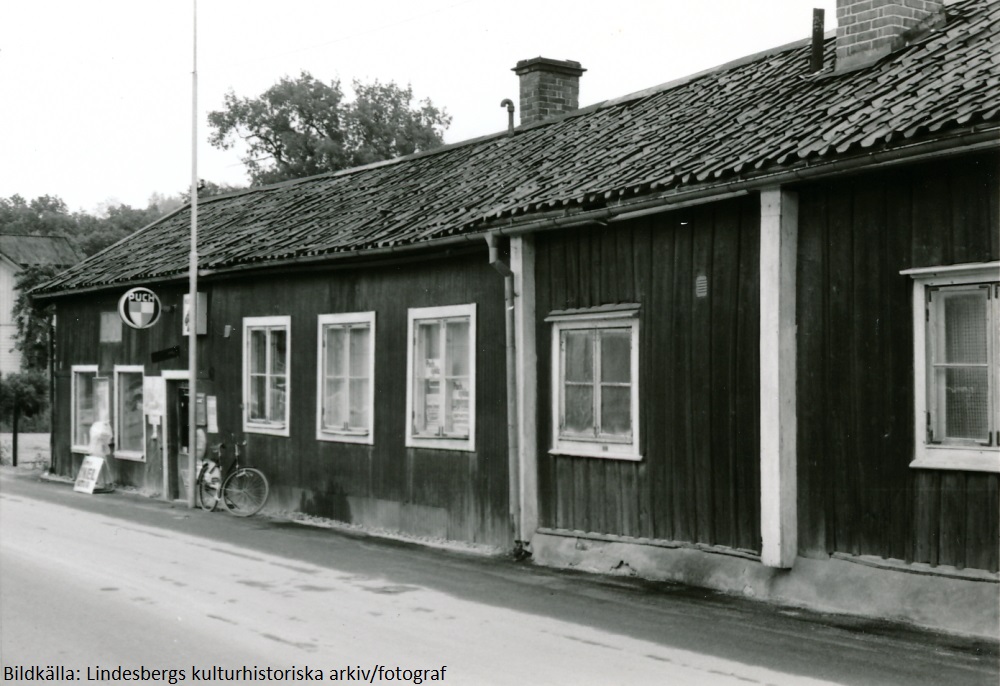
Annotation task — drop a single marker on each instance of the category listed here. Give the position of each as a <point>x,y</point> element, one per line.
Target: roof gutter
<point>972,141</point>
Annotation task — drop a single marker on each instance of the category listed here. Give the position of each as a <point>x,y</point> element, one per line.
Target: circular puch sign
<point>139,308</point>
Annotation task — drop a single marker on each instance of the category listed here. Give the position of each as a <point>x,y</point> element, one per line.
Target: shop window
<point>130,428</point>
<point>956,367</point>
<point>84,411</point>
<point>595,382</point>
<point>442,377</point>
<point>346,366</point>
<point>266,387</point>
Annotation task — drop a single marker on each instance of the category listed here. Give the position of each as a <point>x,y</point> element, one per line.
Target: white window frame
<point>960,457</point>
<point>74,370</point>
<point>345,320</point>
<point>273,322</point>
<point>136,455</point>
<point>624,316</point>
<point>415,314</point>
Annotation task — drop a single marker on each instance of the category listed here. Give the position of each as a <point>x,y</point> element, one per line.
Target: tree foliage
<point>32,320</point>
<point>301,127</point>
<point>28,389</point>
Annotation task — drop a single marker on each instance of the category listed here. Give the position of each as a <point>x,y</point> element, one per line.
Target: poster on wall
<point>213,414</point>
<point>154,396</point>
<point>202,314</point>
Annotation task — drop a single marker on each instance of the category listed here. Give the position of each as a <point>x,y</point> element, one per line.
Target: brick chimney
<point>868,30</point>
<point>548,87</point>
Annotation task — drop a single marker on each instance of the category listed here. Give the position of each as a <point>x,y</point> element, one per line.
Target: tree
<point>46,215</point>
<point>301,127</point>
<point>32,337</point>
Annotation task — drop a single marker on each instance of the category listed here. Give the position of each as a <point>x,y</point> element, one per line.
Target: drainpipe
<point>513,452</point>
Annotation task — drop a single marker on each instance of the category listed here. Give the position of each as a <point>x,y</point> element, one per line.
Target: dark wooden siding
<point>460,495</point>
<point>698,479</point>
<point>857,493</point>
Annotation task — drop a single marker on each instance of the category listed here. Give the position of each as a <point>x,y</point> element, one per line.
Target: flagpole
<point>192,324</point>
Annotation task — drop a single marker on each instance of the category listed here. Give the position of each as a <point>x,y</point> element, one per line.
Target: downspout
<point>513,450</point>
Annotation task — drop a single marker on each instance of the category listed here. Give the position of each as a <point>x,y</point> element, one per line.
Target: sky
<point>97,94</point>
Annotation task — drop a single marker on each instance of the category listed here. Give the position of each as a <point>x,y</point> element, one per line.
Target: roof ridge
<point>612,102</point>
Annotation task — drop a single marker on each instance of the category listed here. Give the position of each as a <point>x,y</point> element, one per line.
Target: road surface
<point>90,583</point>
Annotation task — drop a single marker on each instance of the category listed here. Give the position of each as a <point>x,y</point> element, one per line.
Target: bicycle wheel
<point>209,482</point>
<point>245,491</point>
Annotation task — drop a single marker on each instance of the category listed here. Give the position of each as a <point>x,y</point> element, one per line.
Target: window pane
<point>333,404</point>
<point>966,403</point>
<point>277,351</point>
<point>360,341</point>
<point>616,355</point>
<point>130,412</point>
<point>84,402</point>
<point>965,327</point>
<point>458,407</point>
<point>335,342</point>
<point>457,342</point>
<point>427,366</point>
<point>579,417</point>
<point>359,403</point>
<point>579,355</point>
<point>258,390</point>
<point>258,339</point>
<point>277,410</point>
<point>616,410</point>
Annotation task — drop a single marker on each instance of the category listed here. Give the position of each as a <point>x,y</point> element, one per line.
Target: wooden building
<point>738,330</point>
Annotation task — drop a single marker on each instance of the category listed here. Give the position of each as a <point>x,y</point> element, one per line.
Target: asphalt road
<point>117,580</point>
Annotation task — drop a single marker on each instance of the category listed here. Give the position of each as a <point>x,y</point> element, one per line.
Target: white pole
<point>193,277</point>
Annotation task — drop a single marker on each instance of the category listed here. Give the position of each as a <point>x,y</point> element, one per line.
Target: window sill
<point>957,459</point>
<point>80,449</point>
<point>269,429</point>
<point>133,455</point>
<point>363,438</point>
<point>465,445</point>
<point>596,451</point>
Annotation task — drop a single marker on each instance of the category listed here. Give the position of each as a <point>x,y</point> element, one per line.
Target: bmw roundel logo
<point>139,308</point>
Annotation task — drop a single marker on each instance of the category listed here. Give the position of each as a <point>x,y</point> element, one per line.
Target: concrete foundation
<point>953,601</point>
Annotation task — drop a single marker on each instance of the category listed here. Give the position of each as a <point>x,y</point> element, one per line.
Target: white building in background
<point>16,253</point>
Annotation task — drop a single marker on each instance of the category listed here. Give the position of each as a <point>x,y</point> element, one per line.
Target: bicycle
<point>243,492</point>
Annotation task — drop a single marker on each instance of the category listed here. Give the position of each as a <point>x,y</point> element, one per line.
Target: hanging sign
<point>139,308</point>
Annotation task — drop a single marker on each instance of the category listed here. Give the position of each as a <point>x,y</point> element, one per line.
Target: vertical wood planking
<point>840,356</point>
<point>683,487</point>
<point>701,375</point>
<point>722,295</point>
<point>868,328</point>
<point>812,363</point>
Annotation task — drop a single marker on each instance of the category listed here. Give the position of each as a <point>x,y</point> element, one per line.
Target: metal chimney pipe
<point>816,59</point>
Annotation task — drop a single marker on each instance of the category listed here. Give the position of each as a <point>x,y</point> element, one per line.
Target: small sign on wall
<point>90,470</point>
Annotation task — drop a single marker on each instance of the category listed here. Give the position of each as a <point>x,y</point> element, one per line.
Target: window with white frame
<point>83,411</point>
<point>956,367</point>
<point>130,427</point>
<point>595,382</point>
<point>266,384</point>
<point>441,393</point>
<point>346,366</point>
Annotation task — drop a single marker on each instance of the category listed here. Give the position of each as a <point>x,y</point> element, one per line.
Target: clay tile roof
<point>757,116</point>
<point>31,251</point>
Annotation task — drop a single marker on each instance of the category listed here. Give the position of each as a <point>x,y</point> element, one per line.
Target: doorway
<point>176,436</point>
